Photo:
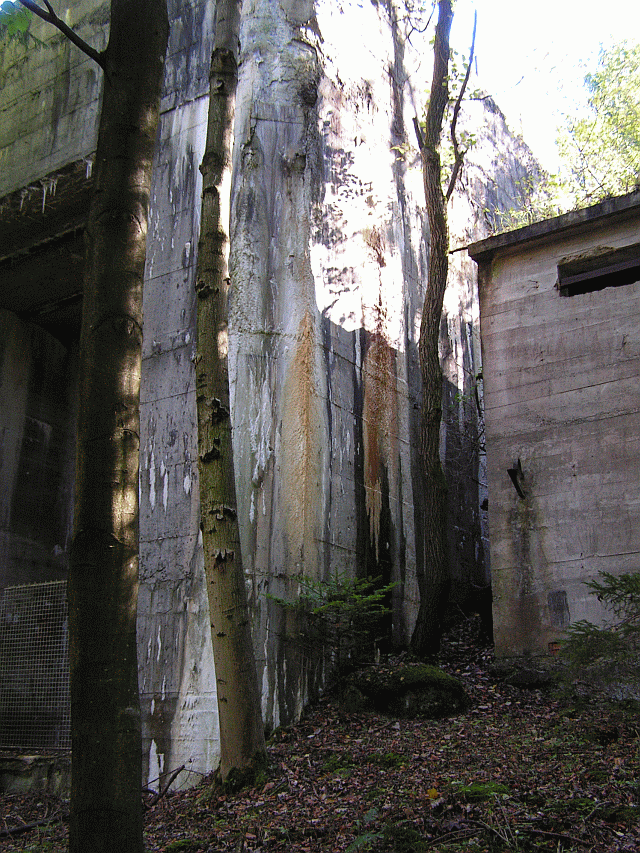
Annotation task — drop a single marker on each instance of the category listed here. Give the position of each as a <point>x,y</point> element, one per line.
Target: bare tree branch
<point>51,18</point>
<point>163,790</point>
<point>439,95</point>
<point>412,23</point>
<point>457,154</point>
<point>11,831</point>
<point>418,130</point>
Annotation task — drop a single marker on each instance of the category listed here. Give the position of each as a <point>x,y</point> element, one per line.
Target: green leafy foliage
<point>15,25</point>
<point>345,616</point>
<point>365,839</point>
<point>466,139</point>
<point>587,643</point>
<point>616,644</point>
<point>601,148</point>
<point>533,199</point>
<point>15,21</point>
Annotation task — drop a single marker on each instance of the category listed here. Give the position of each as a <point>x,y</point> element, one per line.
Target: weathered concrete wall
<point>50,102</point>
<point>326,270</point>
<point>561,396</point>
<point>497,170</point>
<point>329,251</point>
<point>177,681</point>
<point>320,339</point>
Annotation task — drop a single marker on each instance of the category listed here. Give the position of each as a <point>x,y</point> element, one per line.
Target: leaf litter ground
<point>521,770</point>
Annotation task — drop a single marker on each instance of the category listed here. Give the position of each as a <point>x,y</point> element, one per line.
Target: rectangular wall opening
<point>609,269</point>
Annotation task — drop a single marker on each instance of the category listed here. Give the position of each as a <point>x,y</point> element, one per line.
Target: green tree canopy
<point>15,21</point>
<point>600,148</point>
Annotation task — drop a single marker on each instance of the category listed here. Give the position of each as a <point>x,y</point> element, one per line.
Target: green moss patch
<point>479,792</point>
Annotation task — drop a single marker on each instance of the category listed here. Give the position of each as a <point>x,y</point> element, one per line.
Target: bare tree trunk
<point>241,729</point>
<point>434,581</point>
<point>106,812</point>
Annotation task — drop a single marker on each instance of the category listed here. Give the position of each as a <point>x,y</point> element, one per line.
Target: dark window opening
<point>558,608</point>
<point>610,269</point>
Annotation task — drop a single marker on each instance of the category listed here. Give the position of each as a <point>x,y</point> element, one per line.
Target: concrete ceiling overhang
<point>42,250</point>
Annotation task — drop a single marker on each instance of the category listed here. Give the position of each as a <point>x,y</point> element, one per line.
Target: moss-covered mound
<point>407,690</point>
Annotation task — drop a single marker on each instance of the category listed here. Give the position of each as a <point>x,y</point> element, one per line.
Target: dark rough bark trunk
<point>241,730</point>
<point>106,810</point>
<point>434,581</point>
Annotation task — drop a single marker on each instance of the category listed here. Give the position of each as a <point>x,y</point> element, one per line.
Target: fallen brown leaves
<point>519,771</point>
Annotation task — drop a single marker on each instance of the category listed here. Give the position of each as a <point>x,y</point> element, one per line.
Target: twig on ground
<point>561,836</point>
<point>161,793</point>
<point>455,835</point>
<point>11,831</point>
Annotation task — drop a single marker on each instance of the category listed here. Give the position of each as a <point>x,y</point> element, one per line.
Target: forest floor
<point>521,770</point>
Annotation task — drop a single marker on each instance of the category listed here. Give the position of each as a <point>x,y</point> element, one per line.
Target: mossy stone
<point>409,691</point>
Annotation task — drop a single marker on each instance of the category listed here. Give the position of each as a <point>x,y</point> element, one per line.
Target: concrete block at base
<point>46,774</point>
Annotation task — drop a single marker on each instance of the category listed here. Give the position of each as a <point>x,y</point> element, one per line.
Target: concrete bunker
<point>561,357</point>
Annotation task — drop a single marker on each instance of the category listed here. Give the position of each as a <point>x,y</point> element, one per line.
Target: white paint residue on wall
<point>156,763</point>
<point>269,692</point>
<point>165,485</point>
<point>252,508</point>
<point>159,638</point>
<point>260,426</point>
<point>152,481</point>
<point>186,483</point>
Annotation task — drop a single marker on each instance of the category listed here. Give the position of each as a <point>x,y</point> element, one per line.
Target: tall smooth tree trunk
<point>434,581</point>
<point>241,730</point>
<point>106,812</point>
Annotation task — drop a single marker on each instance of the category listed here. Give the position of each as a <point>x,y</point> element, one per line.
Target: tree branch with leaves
<point>600,147</point>
<point>16,21</point>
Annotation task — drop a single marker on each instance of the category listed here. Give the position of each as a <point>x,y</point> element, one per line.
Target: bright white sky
<point>531,57</point>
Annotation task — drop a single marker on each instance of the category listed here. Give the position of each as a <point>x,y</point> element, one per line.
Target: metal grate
<point>34,667</point>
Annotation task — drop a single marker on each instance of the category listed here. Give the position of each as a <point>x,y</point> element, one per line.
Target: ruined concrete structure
<point>328,260</point>
<point>560,319</point>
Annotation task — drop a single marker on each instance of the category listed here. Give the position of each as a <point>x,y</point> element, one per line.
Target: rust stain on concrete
<point>380,428</point>
<point>302,448</point>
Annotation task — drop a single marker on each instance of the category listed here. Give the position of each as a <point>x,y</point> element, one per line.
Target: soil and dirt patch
<point>518,770</point>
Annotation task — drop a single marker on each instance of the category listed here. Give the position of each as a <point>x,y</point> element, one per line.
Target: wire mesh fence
<point>35,708</point>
